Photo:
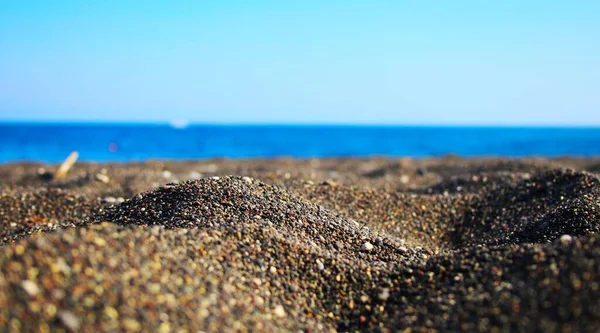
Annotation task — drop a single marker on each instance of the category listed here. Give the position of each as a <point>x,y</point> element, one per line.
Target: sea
<point>52,142</point>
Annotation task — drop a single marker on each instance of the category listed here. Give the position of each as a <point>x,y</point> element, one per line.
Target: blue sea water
<point>135,142</point>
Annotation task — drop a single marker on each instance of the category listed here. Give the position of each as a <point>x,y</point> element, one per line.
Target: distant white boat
<point>178,124</point>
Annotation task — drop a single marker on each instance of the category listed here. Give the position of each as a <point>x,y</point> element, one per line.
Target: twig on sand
<point>64,168</point>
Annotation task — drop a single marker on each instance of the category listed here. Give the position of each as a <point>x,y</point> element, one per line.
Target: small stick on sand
<point>64,168</point>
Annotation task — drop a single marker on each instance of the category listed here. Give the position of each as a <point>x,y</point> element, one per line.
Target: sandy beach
<point>314,245</point>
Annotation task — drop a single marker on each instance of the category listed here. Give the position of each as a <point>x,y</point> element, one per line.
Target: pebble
<point>320,265</point>
<point>366,247</point>
<point>384,294</point>
<point>102,178</point>
<point>566,239</point>
<point>110,200</point>
<point>279,311</point>
<point>30,288</point>
<point>69,320</point>
<point>404,179</point>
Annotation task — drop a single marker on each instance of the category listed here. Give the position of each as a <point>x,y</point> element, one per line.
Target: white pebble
<point>215,177</point>
<point>110,200</point>
<point>279,311</point>
<point>166,174</point>
<point>566,239</point>
<point>384,294</point>
<point>404,179</point>
<point>247,179</point>
<point>102,177</point>
<point>366,246</point>
<point>69,320</point>
<point>259,301</point>
<point>30,287</point>
<point>320,265</point>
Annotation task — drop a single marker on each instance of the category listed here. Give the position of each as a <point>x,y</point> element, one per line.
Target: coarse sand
<point>315,245</point>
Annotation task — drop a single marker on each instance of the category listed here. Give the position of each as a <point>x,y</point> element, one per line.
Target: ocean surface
<point>135,142</point>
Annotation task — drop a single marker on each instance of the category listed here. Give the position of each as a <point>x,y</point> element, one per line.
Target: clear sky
<point>387,62</point>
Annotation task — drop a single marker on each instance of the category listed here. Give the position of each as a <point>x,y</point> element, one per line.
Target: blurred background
<point>135,80</point>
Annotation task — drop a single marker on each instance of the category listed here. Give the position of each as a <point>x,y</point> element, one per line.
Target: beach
<point>314,245</point>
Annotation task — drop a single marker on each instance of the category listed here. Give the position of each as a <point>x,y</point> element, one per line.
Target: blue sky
<point>383,62</point>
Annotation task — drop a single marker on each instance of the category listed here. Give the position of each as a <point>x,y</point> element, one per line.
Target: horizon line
<point>185,124</point>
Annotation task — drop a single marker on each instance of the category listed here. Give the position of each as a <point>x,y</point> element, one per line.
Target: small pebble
<point>320,265</point>
<point>69,320</point>
<point>366,246</point>
<point>404,179</point>
<point>566,239</point>
<point>102,178</point>
<point>384,294</point>
<point>30,287</point>
<point>110,200</point>
<point>279,311</point>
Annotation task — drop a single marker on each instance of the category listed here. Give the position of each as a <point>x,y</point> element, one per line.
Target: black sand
<point>302,245</point>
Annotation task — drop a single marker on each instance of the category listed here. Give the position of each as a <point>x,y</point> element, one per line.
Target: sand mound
<point>137,279</point>
<point>198,255</point>
<point>500,215</point>
<point>241,202</point>
<point>524,288</point>
<point>575,217</point>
